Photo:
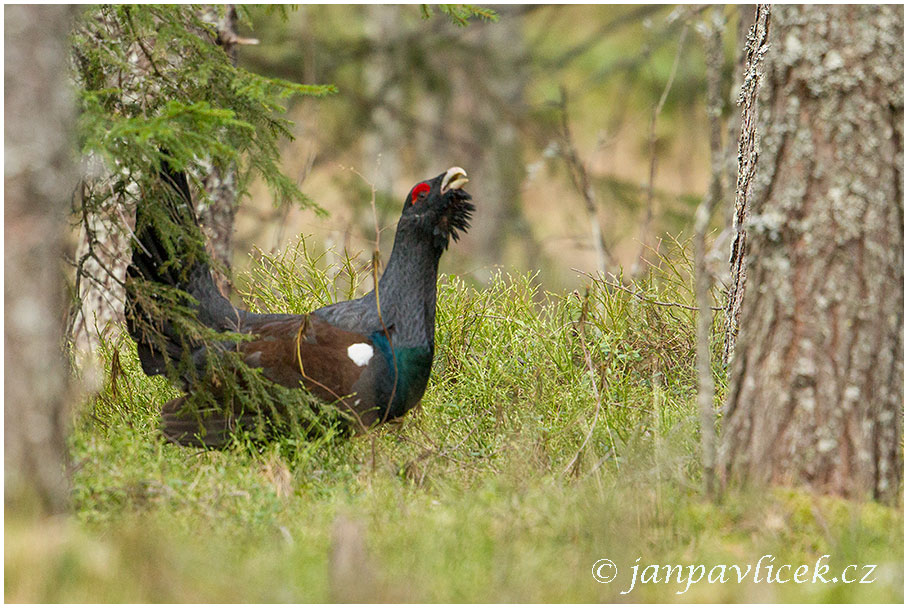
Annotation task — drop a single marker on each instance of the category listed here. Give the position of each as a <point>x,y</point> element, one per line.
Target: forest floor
<point>558,430</point>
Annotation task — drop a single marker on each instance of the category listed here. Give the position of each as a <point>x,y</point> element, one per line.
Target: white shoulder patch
<point>360,353</point>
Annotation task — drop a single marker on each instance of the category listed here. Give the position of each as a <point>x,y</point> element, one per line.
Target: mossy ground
<point>558,429</point>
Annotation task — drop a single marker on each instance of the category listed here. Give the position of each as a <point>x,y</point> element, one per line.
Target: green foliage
<point>490,491</point>
<point>155,84</point>
<point>461,14</point>
<point>157,87</point>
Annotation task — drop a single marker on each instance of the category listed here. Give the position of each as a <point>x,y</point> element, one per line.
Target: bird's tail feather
<point>168,255</point>
<point>211,430</point>
<point>163,250</point>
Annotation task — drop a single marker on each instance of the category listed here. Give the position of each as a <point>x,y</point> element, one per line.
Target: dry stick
<point>648,218</point>
<point>721,245</point>
<point>619,286</point>
<point>581,180</point>
<point>703,280</point>
<point>755,49</point>
<point>375,279</point>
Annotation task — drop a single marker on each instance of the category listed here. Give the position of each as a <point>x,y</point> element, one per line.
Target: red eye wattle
<point>418,191</point>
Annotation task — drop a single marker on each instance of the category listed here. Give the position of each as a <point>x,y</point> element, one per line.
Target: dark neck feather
<point>407,289</point>
<point>407,295</point>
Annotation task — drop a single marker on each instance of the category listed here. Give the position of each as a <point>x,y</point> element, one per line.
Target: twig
<point>649,214</point>
<point>581,180</point>
<point>145,51</point>
<point>375,278</point>
<point>619,286</point>
<point>375,218</point>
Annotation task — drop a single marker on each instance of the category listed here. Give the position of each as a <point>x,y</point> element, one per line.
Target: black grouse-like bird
<point>371,356</point>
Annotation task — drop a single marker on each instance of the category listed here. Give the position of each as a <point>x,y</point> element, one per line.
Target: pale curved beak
<point>454,178</point>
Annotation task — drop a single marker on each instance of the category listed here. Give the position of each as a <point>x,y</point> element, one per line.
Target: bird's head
<point>438,208</point>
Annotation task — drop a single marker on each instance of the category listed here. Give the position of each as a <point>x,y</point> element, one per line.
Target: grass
<point>558,429</point>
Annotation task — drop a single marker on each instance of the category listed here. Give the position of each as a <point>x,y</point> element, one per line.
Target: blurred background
<point>563,116</point>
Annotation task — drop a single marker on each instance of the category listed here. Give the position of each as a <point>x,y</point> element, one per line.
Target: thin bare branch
<point>650,212</point>
<point>703,279</point>
<point>581,180</point>
<point>616,284</point>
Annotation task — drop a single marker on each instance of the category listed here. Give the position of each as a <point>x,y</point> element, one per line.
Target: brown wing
<point>309,350</point>
<point>289,351</point>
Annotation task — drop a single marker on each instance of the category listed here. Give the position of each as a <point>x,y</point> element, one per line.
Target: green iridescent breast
<point>408,372</point>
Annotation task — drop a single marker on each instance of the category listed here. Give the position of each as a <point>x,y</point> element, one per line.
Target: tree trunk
<point>38,182</point>
<point>815,390</point>
<point>103,250</point>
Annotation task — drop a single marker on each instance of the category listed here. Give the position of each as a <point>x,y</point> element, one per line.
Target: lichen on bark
<point>816,382</point>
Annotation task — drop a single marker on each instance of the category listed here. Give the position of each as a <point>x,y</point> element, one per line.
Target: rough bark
<point>39,176</point>
<point>815,394</point>
<point>718,257</point>
<point>755,48</point>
